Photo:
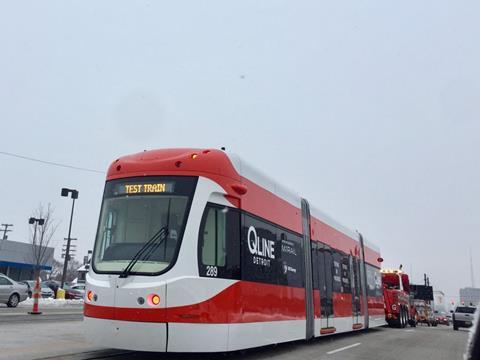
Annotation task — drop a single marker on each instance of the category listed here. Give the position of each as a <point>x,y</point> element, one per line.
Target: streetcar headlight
<point>90,295</point>
<point>153,299</point>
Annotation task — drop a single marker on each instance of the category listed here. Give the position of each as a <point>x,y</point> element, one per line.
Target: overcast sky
<point>369,109</point>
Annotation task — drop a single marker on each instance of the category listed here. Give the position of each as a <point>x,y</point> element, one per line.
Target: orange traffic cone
<point>36,296</point>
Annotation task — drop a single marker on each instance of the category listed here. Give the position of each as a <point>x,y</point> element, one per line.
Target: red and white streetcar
<point>198,252</point>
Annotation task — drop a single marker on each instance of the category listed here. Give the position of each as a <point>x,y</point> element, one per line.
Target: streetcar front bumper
<point>128,335</point>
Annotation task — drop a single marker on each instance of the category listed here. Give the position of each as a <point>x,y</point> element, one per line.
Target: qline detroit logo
<point>263,250</point>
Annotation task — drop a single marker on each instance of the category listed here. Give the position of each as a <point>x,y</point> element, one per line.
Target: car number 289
<point>212,271</point>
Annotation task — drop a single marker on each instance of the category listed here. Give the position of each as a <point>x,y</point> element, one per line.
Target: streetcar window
<point>218,243</point>
<point>337,272</point>
<point>154,215</point>
<point>374,281</point>
<point>315,264</point>
<point>346,274</point>
<point>213,247</point>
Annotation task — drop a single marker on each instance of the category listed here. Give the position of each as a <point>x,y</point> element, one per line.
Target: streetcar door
<point>326,286</point>
<point>363,282</point>
<point>355,280</point>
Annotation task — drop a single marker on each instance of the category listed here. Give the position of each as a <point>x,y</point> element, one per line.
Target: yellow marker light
<point>194,156</point>
<point>153,299</point>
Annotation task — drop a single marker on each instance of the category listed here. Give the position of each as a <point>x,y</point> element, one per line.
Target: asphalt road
<point>64,340</point>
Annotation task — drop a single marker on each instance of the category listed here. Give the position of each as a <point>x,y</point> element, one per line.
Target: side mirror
<point>87,266</point>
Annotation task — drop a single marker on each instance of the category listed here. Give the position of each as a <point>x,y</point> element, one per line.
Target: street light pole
<point>34,232</point>
<point>36,289</point>
<point>74,195</point>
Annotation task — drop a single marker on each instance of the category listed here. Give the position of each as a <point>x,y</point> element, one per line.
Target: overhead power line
<point>51,162</point>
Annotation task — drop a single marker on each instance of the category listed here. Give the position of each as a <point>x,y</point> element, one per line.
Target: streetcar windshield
<point>134,210</point>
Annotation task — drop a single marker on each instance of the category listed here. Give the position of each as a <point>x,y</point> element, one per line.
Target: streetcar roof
<point>218,162</point>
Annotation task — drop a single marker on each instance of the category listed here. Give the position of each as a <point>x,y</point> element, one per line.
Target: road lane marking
<point>343,348</point>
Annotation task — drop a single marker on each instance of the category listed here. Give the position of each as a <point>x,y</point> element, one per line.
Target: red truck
<point>399,307</point>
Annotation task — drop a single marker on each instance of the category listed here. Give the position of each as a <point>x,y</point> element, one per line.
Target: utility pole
<point>6,230</point>
<point>72,250</point>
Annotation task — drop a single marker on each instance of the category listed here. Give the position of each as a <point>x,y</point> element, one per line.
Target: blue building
<point>16,260</point>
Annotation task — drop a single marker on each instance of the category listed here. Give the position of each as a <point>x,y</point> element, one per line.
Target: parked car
<point>52,284</point>
<point>463,316</point>
<point>75,292</point>
<point>11,292</point>
<point>45,291</point>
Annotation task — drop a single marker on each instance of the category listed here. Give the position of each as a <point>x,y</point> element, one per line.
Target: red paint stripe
<point>263,203</point>
<point>99,312</point>
<point>241,302</point>
<point>342,305</point>
<point>372,256</point>
<point>338,240</point>
<point>376,305</point>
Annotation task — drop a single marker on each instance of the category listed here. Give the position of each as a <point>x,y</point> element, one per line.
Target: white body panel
<point>197,337</point>
<point>246,335</point>
<point>189,290</point>
<point>126,334</point>
<point>231,337</point>
<point>376,320</point>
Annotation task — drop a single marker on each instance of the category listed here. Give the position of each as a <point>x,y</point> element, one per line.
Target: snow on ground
<point>50,302</point>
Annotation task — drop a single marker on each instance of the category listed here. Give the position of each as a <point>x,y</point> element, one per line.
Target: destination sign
<point>144,188</point>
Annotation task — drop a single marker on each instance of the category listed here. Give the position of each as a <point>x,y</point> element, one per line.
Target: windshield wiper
<point>148,248</point>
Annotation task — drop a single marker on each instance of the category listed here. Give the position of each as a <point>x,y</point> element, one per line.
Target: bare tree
<point>41,237</point>
<point>57,269</point>
<point>72,269</point>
